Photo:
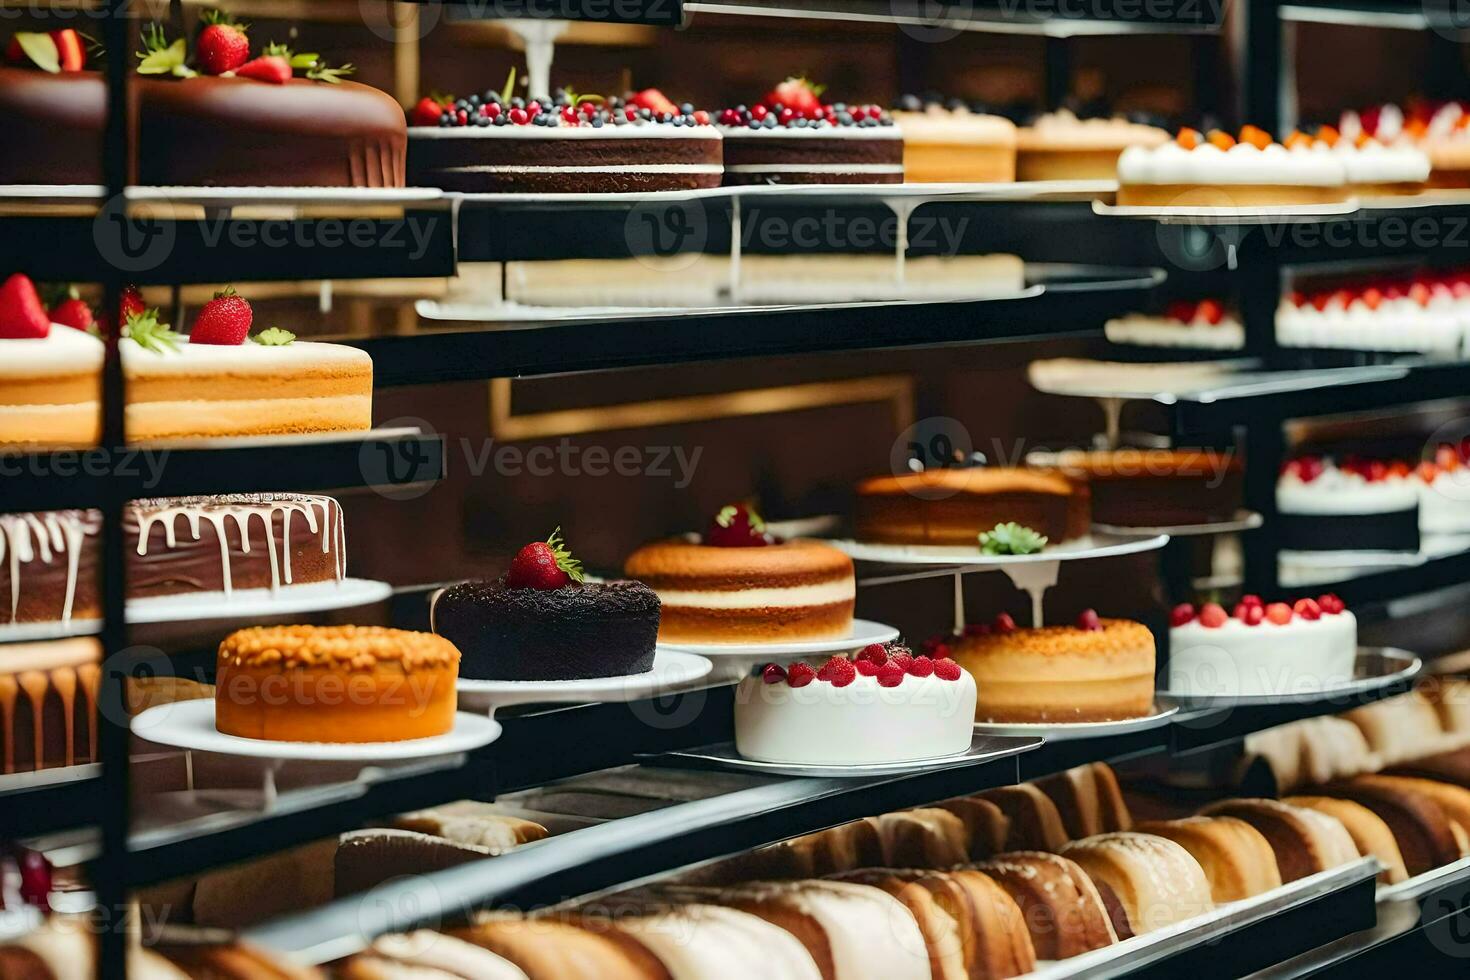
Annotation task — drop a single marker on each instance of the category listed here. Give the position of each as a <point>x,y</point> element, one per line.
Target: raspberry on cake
<point>740,584</point>
<point>1098,670</point>
<point>335,684</point>
<point>567,143</point>
<point>1425,314</point>
<point>1252,171</point>
<point>953,506</point>
<point>1205,325</point>
<point>1260,649</point>
<point>1355,505</point>
<point>792,137</point>
<point>541,622</point>
<point>885,706</point>
<point>949,143</point>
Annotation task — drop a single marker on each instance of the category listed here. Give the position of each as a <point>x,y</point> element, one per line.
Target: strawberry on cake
<point>1426,314</point>
<point>886,705</point>
<point>1373,168</point>
<point>792,137</point>
<point>1205,325</point>
<point>1260,648</point>
<point>50,375</point>
<point>568,143</point>
<point>1441,130</point>
<point>1355,505</point>
<point>1444,490</point>
<point>1216,169</point>
<point>738,583</point>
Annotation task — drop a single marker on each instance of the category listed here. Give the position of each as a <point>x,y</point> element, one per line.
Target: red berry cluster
<point>562,109</point>
<point>1210,311</point>
<point>1251,611</point>
<point>1002,623</point>
<point>1309,468</point>
<point>889,664</point>
<point>1422,288</point>
<point>822,116</point>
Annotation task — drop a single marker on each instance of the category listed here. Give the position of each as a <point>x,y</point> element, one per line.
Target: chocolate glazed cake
<point>835,155</point>
<point>530,634</point>
<point>543,159</point>
<point>52,126</point>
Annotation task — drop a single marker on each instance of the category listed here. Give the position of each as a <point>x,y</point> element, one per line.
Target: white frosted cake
<point>1444,490</point>
<point>1204,325</point>
<point>49,390</point>
<point>685,280</point>
<point>1261,649</point>
<point>1219,171</point>
<point>885,706</point>
<point>1390,318</point>
<point>1355,505</point>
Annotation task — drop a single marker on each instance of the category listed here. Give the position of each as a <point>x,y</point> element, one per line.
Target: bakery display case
<point>1008,523</point>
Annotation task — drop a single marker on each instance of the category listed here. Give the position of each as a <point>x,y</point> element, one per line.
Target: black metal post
<point>1057,72</point>
<point>1259,65</point>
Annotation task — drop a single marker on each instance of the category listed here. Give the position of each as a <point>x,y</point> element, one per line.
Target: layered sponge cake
<point>953,506</point>
<point>49,390</point>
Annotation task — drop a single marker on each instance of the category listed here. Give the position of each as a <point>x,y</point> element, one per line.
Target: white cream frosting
<point>1337,491</point>
<point>61,352</point>
<point>709,942</point>
<point>247,358</point>
<point>1396,325</point>
<point>1297,657</point>
<point>1157,331</point>
<point>45,537</point>
<point>959,128</point>
<point>1375,163</point>
<point>864,722</point>
<point>824,593</point>
<point>1243,163</point>
<point>1444,502</point>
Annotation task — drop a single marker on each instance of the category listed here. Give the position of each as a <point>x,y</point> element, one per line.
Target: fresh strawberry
<point>1331,604</point>
<point>1004,623</point>
<point>773,674</point>
<point>1213,615</point>
<point>71,52</point>
<point>22,314</point>
<point>654,101</point>
<point>1254,615</point>
<point>1181,310</point>
<point>73,312</point>
<point>1210,311</point>
<point>839,672</point>
<point>223,321</point>
<point>1251,599</point>
<point>891,675</point>
<point>1308,609</point>
<point>1181,614</point>
<point>1279,613</point>
<point>222,45</point>
<point>429,109</point>
<point>874,653</point>
<point>271,68</point>
<point>923,666</point>
<point>543,565</point>
<point>737,526</point>
<point>800,674</point>
<point>946,670</point>
<point>796,94</point>
<point>1088,620</point>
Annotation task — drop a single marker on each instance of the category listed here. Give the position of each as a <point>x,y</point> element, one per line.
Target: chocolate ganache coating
<point>52,126</point>
<point>575,632</point>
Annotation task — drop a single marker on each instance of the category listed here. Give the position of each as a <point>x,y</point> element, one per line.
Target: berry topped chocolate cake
<point>792,137</point>
<point>568,143</point>
<point>541,622</point>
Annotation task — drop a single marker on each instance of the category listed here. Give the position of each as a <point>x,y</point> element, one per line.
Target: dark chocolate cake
<point>570,633</point>
<point>52,125</point>
<point>792,137</point>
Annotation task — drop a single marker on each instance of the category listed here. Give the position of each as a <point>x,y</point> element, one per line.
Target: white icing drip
<point>24,538</point>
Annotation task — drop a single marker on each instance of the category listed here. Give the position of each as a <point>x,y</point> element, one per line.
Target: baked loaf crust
<point>952,506</point>
<point>1089,800</point>
<point>574,632</point>
<point>1155,881</point>
<point>943,933</point>
<point>1426,834</point>
<point>792,590</point>
<point>1367,829</point>
<point>1061,906</point>
<point>427,955</point>
<point>929,837</point>
<point>472,823</point>
<point>1236,859</point>
<point>546,947</point>
<point>710,941</point>
<point>335,684</point>
<point>1034,822</point>
<point>1305,842</point>
<point>1061,673</point>
<point>986,824</point>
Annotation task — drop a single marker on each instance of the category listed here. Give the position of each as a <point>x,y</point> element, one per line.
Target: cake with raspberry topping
<point>1444,490</point>
<point>1353,505</point>
<point>541,621</point>
<point>792,137</point>
<point>950,143</point>
<point>1262,649</point>
<point>738,583</point>
<point>564,144</point>
<point>50,375</point>
<point>885,705</point>
<point>1426,313</point>
<point>1219,170</point>
<point>334,684</point>
<point>954,506</point>
<point>1205,325</point>
<point>1098,670</point>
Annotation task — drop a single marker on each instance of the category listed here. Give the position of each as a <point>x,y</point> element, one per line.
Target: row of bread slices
<point>979,887</point>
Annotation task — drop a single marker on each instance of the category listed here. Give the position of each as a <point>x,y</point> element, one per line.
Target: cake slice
<point>1062,908</point>
<point>1305,842</point>
<point>553,949</point>
<point>1155,881</point>
<point>50,388</point>
<point>943,932</point>
<point>1367,829</point>
<point>929,837</point>
<point>473,823</point>
<point>985,824</point>
<point>1236,859</point>
<point>427,955</point>
<point>693,941</point>
<point>1425,832</point>
<point>1035,824</point>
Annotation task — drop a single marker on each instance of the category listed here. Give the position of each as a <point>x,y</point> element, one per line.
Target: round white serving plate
<point>1375,667</point>
<point>1090,546</point>
<point>1164,710</point>
<point>1254,214</point>
<point>190,725</point>
<point>863,633</point>
<point>671,668</point>
<point>1244,520</point>
<point>253,603</point>
<point>722,755</point>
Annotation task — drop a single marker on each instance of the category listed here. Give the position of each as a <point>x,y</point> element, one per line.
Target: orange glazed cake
<point>1098,670</point>
<point>739,584</point>
<point>953,506</point>
<point>335,684</point>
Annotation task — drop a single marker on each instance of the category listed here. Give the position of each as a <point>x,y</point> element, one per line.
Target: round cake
<point>1204,325</point>
<point>1373,168</point>
<point>953,506</point>
<point>1147,882</point>
<point>541,622</point>
<point>952,144</point>
<point>562,146</point>
<point>1220,171</point>
<point>792,137</point>
<point>1274,649</point>
<point>885,706</point>
<point>1155,487</point>
<point>1059,146</point>
<point>1356,505</point>
<point>738,584</point>
<point>53,126</point>
<point>1098,670</point>
<point>335,684</point>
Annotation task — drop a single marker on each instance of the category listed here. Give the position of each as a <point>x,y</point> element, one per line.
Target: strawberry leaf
<point>564,559</point>
<point>41,49</point>
<point>301,60</point>
<point>145,331</point>
<point>510,85</point>
<point>319,72</point>
<point>1011,539</point>
<point>274,337</point>
<point>166,61</point>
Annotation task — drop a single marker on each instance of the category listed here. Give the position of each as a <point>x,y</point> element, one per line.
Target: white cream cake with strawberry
<point>1351,505</point>
<point>1219,170</point>
<point>1374,169</point>
<point>1260,649</point>
<point>1205,325</point>
<point>883,706</point>
<point>1428,314</point>
<point>216,381</point>
<point>1444,490</point>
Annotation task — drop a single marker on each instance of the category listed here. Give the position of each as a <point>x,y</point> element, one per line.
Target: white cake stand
<point>732,661</point>
<point>672,669</point>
